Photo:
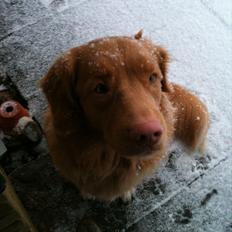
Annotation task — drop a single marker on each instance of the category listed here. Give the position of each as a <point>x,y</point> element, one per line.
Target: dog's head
<point>113,87</point>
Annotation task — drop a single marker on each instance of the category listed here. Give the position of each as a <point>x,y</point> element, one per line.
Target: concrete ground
<point>188,193</point>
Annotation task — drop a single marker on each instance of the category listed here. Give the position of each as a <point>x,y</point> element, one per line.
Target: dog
<point>112,114</point>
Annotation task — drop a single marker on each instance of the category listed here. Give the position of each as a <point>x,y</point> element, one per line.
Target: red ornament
<point>10,113</point>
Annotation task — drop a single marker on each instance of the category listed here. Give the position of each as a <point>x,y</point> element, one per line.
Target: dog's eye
<point>101,88</point>
<point>152,78</point>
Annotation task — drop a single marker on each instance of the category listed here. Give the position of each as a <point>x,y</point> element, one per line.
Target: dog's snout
<point>146,133</point>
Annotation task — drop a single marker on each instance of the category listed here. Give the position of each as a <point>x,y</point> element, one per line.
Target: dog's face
<point>116,84</point>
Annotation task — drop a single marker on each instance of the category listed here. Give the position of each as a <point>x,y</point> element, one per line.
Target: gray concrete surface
<point>187,193</point>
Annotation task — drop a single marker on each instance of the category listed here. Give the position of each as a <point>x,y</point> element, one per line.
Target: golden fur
<point>96,93</point>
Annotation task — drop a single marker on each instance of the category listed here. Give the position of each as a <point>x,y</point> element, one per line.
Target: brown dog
<point>112,113</point>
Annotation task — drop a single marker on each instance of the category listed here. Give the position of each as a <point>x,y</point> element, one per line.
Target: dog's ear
<point>163,61</point>
<point>58,84</point>
<point>59,88</point>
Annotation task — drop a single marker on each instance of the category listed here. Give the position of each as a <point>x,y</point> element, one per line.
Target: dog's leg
<point>192,119</point>
<point>127,196</point>
<point>87,196</point>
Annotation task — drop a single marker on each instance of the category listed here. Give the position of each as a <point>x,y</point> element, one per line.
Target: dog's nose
<point>146,133</point>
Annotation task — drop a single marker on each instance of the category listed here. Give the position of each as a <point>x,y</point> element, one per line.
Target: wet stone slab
<point>220,11</point>
<point>27,54</point>
<point>15,14</point>
<point>203,206</point>
<point>42,190</point>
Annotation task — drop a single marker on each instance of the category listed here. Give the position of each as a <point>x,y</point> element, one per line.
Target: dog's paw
<point>201,164</point>
<point>183,216</point>
<point>171,162</point>
<point>87,196</point>
<point>128,196</point>
<point>156,186</point>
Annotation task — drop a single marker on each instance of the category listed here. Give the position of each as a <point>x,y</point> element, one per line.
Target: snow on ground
<point>198,35</point>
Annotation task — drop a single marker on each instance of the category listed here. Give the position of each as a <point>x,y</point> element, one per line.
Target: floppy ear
<point>58,84</point>
<point>163,60</point>
<point>59,88</point>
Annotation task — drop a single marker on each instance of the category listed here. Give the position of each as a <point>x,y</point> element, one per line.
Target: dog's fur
<point>87,131</point>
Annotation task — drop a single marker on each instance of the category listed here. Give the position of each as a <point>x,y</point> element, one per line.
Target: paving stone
<point>53,204</point>
<point>15,14</point>
<point>203,207</point>
<point>221,10</point>
<point>42,189</point>
<point>56,5</point>
<point>27,54</point>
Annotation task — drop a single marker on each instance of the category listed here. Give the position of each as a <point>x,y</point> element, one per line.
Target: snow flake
<point>2,87</point>
<point>92,45</point>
